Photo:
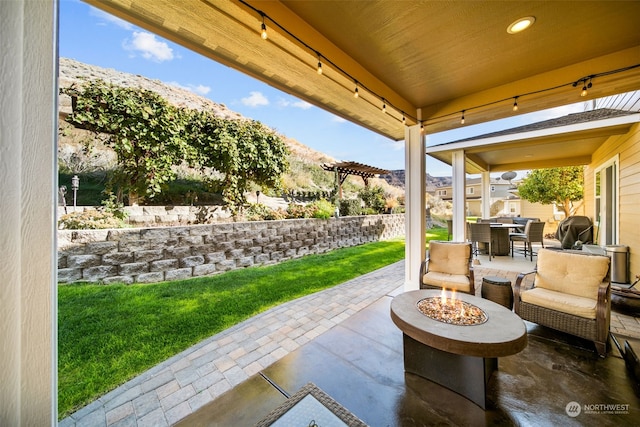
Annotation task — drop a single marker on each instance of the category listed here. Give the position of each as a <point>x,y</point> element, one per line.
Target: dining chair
<point>480,232</point>
<point>533,233</point>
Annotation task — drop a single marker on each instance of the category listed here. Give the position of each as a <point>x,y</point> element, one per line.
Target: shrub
<point>350,207</point>
<point>324,209</point>
<point>373,198</point>
<point>299,211</point>
<point>260,212</point>
<point>89,220</point>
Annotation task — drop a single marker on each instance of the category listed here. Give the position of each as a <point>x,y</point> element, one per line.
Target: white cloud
<point>338,119</point>
<point>199,89</point>
<point>255,99</point>
<point>148,46</point>
<point>303,105</point>
<point>109,19</point>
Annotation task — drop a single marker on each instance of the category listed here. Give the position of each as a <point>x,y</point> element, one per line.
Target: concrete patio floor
<point>344,342</point>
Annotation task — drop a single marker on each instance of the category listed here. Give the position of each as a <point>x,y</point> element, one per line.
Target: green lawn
<point>109,334</point>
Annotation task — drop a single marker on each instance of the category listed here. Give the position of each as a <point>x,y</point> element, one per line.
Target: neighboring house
<point>504,201</point>
<point>500,192</point>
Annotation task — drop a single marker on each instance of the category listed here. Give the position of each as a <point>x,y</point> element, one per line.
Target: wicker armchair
<point>448,265</point>
<point>571,293</point>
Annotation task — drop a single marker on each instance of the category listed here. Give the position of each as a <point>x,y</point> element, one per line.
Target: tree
<point>562,186</point>
<point>244,151</point>
<point>145,131</point>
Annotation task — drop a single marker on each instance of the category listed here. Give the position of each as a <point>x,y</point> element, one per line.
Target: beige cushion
<point>459,282</point>
<point>571,273</point>
<point>449,257</point>
<point>559,301</point>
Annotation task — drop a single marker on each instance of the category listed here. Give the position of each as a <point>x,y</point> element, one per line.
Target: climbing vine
<point>151,136</point>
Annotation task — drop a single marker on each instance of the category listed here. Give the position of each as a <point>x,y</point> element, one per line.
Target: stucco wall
<point>147,255</point>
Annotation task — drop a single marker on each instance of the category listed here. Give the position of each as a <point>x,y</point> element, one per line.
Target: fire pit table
<point>460,357</point>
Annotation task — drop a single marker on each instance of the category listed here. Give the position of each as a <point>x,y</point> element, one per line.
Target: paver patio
<point>221,371</point>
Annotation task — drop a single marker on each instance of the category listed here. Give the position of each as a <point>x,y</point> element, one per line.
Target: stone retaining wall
<point>146,255</point>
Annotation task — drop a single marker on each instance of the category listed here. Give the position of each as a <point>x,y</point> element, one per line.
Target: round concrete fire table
<point>459,357</point>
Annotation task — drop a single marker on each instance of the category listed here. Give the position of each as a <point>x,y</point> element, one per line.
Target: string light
<point>585,87</point>
<point>263,29</point>
<point>586,81</point>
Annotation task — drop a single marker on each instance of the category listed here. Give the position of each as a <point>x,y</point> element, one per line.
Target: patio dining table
<point>500,237</point>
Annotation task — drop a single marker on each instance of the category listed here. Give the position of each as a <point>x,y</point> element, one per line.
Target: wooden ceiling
<point>427,59</point>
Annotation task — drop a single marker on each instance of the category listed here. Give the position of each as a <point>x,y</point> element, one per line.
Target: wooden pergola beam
<point>344,169</point>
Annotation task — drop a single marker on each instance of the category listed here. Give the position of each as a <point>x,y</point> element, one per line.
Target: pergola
<point>344,169</point>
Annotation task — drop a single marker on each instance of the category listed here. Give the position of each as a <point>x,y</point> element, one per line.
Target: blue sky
<point>94,37</point>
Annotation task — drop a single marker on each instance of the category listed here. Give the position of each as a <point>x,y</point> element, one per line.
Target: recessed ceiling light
<point>521,24</point>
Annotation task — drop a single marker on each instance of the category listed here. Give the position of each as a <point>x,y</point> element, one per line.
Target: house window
<point>442,192</point>
<point>606,202</point>
<point>470,190</point>
<point>493,188</point>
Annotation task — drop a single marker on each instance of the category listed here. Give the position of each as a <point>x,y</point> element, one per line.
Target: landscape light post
<point>75,184</point>
<point>62,191</point>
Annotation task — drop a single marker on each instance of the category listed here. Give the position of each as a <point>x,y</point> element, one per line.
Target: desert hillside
<point>306,173</point>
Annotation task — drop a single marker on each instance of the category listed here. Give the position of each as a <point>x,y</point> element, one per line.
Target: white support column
<point>459,197</point>
<point>28,173</point>
<point>415,176</point>
<point>485,188</point>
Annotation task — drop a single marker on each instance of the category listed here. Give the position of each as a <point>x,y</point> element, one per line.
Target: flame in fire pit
<point>451,310</point>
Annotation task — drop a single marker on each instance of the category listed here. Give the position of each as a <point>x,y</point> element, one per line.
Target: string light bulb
<point>585,87</point>
<point>404,120</point>
<point>263,30</point>
<point>319,65</point>
<point>355,91</point>
<point>421,126</point>
<point>462,119</point>
<point>515,103</point>
<point>384,106</point>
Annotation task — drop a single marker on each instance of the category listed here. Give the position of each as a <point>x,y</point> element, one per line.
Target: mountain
<point>396,178</point>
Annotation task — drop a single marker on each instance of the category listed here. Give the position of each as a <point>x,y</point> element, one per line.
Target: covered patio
<point>417,68</point>
<point>343,341</point>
